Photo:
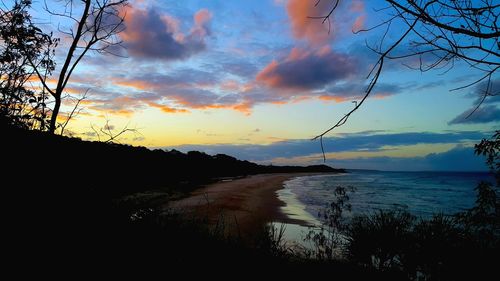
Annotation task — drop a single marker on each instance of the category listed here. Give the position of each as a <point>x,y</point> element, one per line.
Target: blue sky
<point>258,79</point>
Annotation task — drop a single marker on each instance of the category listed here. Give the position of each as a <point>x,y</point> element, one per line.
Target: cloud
<point>188,89</point>
<point>121,105</point>
<point>484,114</point>
<point>363,141</point>
<point>166,108</point>
<point>303,27</point>
<point>355,90</point>
<point>154,35</point>
<point>488,111</point>
<point>301,75</point>
<point>481,88</point>
<point>196,89</point>
<point>177,92</point>
<point>359,23</point>
<point>240,68</point>
<point>458,158</point>
<point>228,82</point>
<point>231,86</point>
<point>202,20</point>
<point>315,31</point>
<point>236,84</point>
<point>322,74</point>
<point>195,98</point>
<point>126,105</point>
<point>308,70</point>
<point>156,81</point>
<point>357,6</point>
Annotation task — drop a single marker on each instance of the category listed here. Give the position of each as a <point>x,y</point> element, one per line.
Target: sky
<point>257,79</point>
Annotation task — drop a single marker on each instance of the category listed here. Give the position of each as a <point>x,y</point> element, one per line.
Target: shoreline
<point>242,205</point>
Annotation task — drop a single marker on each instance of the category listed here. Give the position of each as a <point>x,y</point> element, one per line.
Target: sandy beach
<point>243,204</point>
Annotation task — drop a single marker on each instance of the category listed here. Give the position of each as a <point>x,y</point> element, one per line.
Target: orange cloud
<point>130,15</point>
<point>245,108</point>
<point>123,105</point>
<point>202,17</point>
<point>301,99</point>
<point>167,109</point>
<point>357,6</point>
<point>297,54</point>
<point>333,98</point>
<point>359,23</point>
<point>201,23</point>
<point>382,95</point>
<point>74,90</point>
<point>304,27</point>
<point>120,112</point>
<point>133,83</point>
<point>231,86</point>
<point>266,75</point>
<point>348,16</point>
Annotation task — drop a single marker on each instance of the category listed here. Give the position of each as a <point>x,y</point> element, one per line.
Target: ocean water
<point>421,193</point>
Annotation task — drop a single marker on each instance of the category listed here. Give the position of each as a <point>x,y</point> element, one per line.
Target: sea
<point>421,193</point>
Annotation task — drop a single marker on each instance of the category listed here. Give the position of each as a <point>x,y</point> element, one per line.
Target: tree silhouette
<point>24,48</point>
<point>438,34</point>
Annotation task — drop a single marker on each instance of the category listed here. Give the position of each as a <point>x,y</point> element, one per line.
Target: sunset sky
<point>257,79</point>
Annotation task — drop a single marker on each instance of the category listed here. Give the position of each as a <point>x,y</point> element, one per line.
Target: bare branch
<point>75,111</point>
<point>109,132</point>
<point>442,33</point>
<point>483,98</point>
<point>377,68</point>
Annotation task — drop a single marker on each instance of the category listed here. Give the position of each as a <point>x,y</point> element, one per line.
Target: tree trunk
<point>55,112</point>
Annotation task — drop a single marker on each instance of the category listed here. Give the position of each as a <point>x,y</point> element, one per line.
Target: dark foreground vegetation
<point>463,246</point>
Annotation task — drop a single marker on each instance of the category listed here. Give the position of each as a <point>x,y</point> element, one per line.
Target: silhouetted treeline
<point>119,169</point>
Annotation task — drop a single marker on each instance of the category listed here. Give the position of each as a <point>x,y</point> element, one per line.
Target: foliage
<point>491,149</point>
<point>27,57</point>
<point>380,240</point>
<point>329,239</point>
<point>23,46</point>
